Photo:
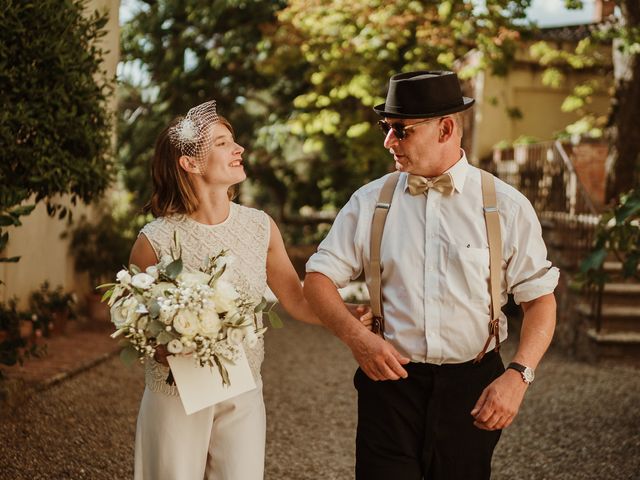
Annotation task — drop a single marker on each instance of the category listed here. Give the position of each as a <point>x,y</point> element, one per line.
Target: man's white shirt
<point>435,262</point>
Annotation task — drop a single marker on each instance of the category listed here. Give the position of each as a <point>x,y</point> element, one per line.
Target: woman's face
<point>223,164</point>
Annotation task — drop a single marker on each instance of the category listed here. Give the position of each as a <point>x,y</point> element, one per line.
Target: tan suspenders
<point>492,221</point>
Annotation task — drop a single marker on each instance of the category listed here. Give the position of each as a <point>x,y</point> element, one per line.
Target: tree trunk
<point>623,162</point>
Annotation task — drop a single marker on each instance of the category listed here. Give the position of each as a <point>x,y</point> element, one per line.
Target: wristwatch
<point>527,373</point>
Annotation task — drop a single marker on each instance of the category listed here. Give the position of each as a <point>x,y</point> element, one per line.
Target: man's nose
<point>390,140</point>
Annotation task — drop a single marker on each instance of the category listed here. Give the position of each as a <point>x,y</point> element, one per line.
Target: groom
<point>431,403</point>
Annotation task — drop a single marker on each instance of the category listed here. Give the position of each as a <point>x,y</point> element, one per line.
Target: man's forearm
<point>538,325</point>
<point>325,300</point>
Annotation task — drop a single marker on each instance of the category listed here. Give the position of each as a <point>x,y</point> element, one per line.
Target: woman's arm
<point>142,254</point>
<point>283,280</point>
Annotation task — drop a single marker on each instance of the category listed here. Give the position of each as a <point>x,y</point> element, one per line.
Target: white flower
<point>123,277</point>
<point>224,296</point>
<point>174,346</point>
<point>159,289</point>
<point>186,323</point>
<point>210,323</point>
<point>166,315</point>
<point>142,281</point>
<point>123,312</point>
<point>187,132</point>
<point>153,271</point>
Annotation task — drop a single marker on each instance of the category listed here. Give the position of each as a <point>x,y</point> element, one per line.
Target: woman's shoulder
<point>243,211</point>
<point>162,225</point>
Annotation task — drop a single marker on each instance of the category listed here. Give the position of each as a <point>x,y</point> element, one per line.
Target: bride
<point>194,169</point>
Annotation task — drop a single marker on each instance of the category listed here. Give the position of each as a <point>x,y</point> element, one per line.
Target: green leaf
<point>627,209</point>
<point>594,261</point>
<point>129,355</point>
<point>6,220</point>
<point>107,295</point>
<point>261,306</point>
<point>275,320</point>
<point>174,269</point>
<point>155,327</point>
<point>164,337</point>
<point>154,309</point>
<point>223,371</point>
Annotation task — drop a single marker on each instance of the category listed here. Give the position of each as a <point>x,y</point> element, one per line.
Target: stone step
<point>614,318</point>
<point>621,294</point>
<point>619,346</point>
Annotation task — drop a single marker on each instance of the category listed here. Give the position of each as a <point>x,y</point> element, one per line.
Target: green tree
<point>189,51</point>
<point>333,60</point>
<point>54,125</point>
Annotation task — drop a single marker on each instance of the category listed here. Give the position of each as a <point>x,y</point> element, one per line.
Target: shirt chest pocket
<point>468,273</point>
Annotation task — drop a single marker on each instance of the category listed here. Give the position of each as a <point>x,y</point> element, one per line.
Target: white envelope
<point>201,387</point>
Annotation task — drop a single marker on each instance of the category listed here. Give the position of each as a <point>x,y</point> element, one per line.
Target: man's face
<point>420,149</point>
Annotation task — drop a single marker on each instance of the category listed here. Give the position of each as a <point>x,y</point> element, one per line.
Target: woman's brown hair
<point>173,191</point>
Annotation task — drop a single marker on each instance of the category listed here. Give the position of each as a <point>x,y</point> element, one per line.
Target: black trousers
<point>421,427</point>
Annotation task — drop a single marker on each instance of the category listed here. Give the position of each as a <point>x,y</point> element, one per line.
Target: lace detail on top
<point>245,234</point>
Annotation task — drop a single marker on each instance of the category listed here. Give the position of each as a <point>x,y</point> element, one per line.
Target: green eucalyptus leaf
<point>164,337</point>
<point>275,320</point>
<point>155,327</point>
<point>261,306</point>
<point>129,355</point>
<point>174,269</point>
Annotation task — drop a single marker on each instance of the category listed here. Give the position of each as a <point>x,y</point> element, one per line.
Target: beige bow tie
<point>442,183</point>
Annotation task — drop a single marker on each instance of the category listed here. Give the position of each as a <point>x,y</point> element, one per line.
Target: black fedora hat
<point>423,94</point>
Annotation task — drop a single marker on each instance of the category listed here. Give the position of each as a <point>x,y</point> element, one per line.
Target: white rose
<point>174,346</point>
<point>153,271</point>
<point>123,312</point>
<point>224,296</point>
<point>159,289</point>
<point>191,279</point>
<point>186,323</point>
<point>210,323</point>
<point>166,315</point>
<point>142,281</point>
<point>123,277</point>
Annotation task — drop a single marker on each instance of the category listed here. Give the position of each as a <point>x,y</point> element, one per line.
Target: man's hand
<point>499,403</point>
<point>378,358</point>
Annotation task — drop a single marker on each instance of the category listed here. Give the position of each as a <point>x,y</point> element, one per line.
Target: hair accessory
<point>191,135</point>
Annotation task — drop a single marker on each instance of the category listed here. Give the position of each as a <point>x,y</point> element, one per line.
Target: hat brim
<point>467,103</point>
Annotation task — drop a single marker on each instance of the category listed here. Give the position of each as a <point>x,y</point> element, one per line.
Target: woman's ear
<point>188,164</point>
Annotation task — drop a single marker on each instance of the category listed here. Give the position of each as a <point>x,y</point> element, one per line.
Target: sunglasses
<point>400,129</point>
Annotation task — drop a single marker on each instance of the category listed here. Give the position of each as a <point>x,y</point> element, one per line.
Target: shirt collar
<point>458,173</point>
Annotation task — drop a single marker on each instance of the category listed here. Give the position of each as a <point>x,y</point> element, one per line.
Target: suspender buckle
<point>377,326</point>
<point>383,205</point>
<point>490,209</point>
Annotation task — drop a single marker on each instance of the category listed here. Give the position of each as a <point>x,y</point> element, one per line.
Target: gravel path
<point>578,421</point>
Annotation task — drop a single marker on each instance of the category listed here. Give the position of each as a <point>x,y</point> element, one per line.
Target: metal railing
<point>544,173</point>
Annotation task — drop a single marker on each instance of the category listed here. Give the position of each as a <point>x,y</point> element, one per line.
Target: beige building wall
<point>540,106</point>
<point>44,254</point>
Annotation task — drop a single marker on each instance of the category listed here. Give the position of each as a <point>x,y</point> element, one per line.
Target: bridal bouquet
<point>190,313</point>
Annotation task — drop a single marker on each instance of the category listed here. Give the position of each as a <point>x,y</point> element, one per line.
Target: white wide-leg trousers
<point>222,442</point>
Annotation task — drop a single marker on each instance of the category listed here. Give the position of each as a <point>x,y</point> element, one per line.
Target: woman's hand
<point>161,355</point>
<point>362,313</point>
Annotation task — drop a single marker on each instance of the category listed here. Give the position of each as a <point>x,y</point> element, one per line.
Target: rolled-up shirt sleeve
<point>339,255</point>
<point>529,274</point>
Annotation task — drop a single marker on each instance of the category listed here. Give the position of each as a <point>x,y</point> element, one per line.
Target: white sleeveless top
<point>245,234</point>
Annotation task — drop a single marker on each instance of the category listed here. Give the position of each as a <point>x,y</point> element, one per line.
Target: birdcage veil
<point>191,135</point>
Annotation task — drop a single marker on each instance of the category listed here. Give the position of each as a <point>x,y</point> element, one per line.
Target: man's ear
<point>188,164</point>
<point>447,127</point>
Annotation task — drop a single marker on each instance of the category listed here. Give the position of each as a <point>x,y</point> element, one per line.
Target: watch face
<point>528,375</point>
